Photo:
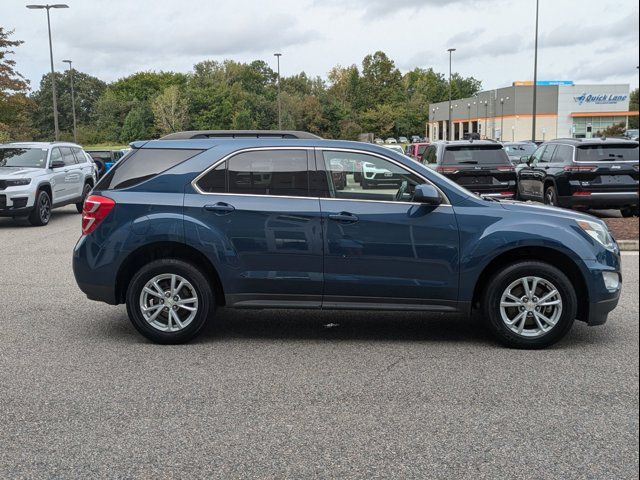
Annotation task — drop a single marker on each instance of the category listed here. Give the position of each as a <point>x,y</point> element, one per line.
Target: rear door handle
<point>344,217</point>
<point>220,208</point>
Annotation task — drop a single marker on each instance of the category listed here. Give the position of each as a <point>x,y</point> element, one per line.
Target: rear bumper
<point>94,276</point>
<point>601,199</point>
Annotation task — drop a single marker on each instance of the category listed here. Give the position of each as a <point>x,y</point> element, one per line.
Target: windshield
<point>604,153</point>
<point>475,155</point>
<point>520,149</point>
<point>23,157</point>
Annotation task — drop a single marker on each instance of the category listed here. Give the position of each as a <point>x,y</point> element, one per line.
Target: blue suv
<point>189,224</point>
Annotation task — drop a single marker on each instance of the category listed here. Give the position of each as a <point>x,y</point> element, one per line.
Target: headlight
<point>17,182</point>
<point>598,232</point>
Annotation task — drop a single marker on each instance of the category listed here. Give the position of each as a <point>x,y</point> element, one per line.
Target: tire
<point>532,336</point>
<point>86,190</point>
<point>101,167</point>
<point>551,196</point>
<point>629,212</point>
<point>196,285</point>
<point>41,213</point>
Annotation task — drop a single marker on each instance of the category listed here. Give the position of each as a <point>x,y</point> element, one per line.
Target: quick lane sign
<point>599,99</point>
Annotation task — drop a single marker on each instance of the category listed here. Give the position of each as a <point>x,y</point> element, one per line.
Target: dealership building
<point>563,110</point>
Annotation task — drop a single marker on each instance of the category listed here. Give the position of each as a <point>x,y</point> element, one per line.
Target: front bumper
<point>601,300</point>
<point>16,201</point>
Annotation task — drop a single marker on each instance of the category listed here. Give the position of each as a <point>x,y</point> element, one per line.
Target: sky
<point>587,41</point>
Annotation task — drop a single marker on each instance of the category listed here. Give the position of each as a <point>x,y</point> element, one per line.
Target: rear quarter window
<point>142,165</point>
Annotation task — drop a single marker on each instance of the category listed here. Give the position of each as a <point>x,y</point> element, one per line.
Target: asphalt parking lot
<point>298,394</point>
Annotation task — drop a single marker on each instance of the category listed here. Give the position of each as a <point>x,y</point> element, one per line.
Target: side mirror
<point>427,194</point>
<point>525,159</point>
<point>57,164</point>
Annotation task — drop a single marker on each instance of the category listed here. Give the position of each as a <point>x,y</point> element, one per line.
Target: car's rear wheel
<point>551,196</point>
<point>85,193</point>
<point>169,301</point>
<point>41,213</point>
<point>529,304</point>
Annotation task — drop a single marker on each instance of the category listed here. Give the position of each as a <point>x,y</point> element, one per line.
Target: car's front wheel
<point>41,213</point>
<point>529,304</point>
<point>629,212</point>
<point>169,301</point>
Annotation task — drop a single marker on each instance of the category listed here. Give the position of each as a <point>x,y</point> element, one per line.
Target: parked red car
<point>416,150</point>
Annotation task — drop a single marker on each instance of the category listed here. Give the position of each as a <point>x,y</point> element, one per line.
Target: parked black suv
<point>583,173</point>
<point>481,166</point>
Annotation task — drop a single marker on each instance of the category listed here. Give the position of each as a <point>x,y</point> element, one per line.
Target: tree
<point>14,104</point>
<point>170,110</point>
<point>88,90</point>
<point>633,107</point>
<point>381,81</point>
<point>138,123</point>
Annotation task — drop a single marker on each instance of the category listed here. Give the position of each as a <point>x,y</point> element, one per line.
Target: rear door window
<point>607,153</point>
<point>475,155</point>
<point>269,172</point>
<point>67,156</point>
<point>563,154</point>
<point>142,165</point>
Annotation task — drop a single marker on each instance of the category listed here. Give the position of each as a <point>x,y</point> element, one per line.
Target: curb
<point>628,245</point>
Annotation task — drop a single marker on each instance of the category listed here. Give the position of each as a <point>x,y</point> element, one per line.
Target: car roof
<point>593,141</point>
<point>468,142</point>
<point>234,134</point>
<point>40,144</point>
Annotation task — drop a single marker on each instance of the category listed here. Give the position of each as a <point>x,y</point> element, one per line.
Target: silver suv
<point>38,176</point>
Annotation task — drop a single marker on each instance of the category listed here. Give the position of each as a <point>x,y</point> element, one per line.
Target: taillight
<point>581,194</point>
<point>507,194</point>
<point>576,168</point>
<point>94,211</point>
<point>506,169</point>
<point>441,169</point>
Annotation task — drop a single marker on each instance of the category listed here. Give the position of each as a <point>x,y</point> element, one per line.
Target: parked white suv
<point>38,176</point>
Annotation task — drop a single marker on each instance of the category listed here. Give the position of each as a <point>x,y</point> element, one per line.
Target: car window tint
<point>430,155</point>
<point>215,180</point>
<point>142,165</point>
<point>475,155</point>
<point>537,155</point>
<point>359,176</point>
<point>67,156</point>
<point>269,172</point>
<point>563,154</point>
<point>548,153</point>
<point>604,153</point>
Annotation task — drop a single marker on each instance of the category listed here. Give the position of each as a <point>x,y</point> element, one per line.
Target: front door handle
<point>220,208</point>
<point>344,217</point>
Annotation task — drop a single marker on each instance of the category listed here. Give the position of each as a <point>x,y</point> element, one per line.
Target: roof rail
<point>193,134</point>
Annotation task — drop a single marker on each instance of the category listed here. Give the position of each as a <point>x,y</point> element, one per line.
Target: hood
<point>12,172</point>
<point>539,209</point>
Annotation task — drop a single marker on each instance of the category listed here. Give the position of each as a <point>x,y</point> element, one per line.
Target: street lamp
<point>502,100</point>
<point>278,55</point>
<point>450,50</point>
<point>53,78</point>
<point>535,76</point>
<point>73,101</point>
<point>513,133</point>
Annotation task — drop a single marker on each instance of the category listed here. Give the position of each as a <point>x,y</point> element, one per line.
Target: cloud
<point>611,68</point>
<point>380,8</point>
<point>568,35</point>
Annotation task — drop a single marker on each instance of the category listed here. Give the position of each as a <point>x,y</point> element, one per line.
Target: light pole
<point>513,133</point>
<point>450,50</point>
<point>502,117</point>
<point>73,101</point>
<point>53,78</point>
<point>535,77</point>
<point>486,118</point>
<point>278,55</point>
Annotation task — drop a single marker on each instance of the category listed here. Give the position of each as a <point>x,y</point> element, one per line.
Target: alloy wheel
<point>44,208</point>
<point>531,306</point>
<point>168,302</point>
